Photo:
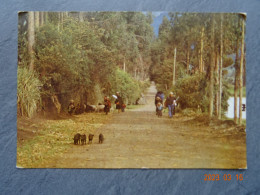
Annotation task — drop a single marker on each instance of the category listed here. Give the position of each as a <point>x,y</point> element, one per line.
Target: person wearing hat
<point>119,102</point>
<point>170,103</point>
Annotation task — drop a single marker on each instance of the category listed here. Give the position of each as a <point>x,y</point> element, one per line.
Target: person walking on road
<point>159,107</point>
<point>107,104</point>
<point>157,100</point>
<point>118,102</point>
<point>170,103</point>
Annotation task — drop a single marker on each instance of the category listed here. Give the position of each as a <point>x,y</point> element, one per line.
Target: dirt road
<point>137,138</point>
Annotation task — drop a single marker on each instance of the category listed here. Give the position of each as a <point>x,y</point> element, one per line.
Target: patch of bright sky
<point>157,13</point>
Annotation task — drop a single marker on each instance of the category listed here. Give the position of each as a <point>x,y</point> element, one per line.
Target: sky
<point>158,18</point>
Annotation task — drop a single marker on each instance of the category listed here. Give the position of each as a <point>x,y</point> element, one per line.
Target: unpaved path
<point>138,139</point>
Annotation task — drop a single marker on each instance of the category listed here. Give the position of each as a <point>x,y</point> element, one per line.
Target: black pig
<point>77,139</point>
<point>101,138</point>
<point>83,139</point>
<point>90,138</point>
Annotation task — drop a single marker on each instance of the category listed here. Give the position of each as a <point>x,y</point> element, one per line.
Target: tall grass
<point>28,92</point>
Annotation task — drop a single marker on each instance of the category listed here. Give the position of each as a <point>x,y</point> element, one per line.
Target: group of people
<point>120,106</point>
<point>169,103</point>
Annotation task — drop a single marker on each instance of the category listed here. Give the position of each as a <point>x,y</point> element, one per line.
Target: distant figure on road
<point>118,102</point>
<point>71,107</point>
<point>157,100</point>
<point>159,108</point>
<point>170,103</point>
<point>123,107</point>
<point>160,94</point>
<point>107,104</point>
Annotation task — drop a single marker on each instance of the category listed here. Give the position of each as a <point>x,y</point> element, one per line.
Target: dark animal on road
<point>76,139</point>
<point>101,138</point>
<point>90,138</point>
<point>83,139</point>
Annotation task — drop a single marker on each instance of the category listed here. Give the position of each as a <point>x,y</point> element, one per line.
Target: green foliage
<point>28,92</point>
<point>62,65</point>
<point>193,93</point>
<point>189,112</point>
<point>23,56</point>
<point>129,88</point>
<point>231,90</point>
<point>188,32</point>
<point>80,59</point>
<point>225,96</point>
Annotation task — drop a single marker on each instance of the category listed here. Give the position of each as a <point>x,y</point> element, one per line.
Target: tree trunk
<point>241,70</point>
<point>220,67</point>
<point>236,81</point>
<point>37,19</point>
<point>124,64</point>
<point>59,23</point>
<point>244,73</point>
<point>188,60</point>
<point>211,68</point>
<point>61,19</point>
<point>31,39</point>
<point>236,74</point>
<point>81,16</point>
<point>45,17</point>
<point>201,50</point>
<point>142,67</point>
<point>56,103</point>
<point>174,66</point>
<point>41,18</point>
<point>217,83</point>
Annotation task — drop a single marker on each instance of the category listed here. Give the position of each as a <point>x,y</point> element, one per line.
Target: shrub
<point>193,93</point>
<point>28,92</point>
<point>129,88</point>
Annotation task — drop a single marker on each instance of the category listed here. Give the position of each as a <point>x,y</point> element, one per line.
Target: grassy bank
<point>231,91</point>
<point>55,137</point>
<point>231,119</point>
